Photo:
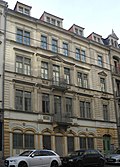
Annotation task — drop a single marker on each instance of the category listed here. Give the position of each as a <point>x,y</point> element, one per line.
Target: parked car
<point>82,158</point>
<point>34,158</point>
<point>113,158</point>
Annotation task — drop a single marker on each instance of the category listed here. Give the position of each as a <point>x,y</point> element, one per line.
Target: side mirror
<point>32,155</point>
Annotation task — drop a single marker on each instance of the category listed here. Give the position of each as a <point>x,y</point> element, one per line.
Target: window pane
<point>19,64</point>
<point>45,103</point>
<point>27,101</point>
<point>54,45</point>
<point>44,70</point>
<point>56,75</point>
<point>105,113</point>
<point>69,105</point>
<point>57,104</point>
<point>100,63</point>
<point>70,144</point>
<point>77,55</point>
<point>83,56</point>
<point>27,38</point>
<point>67,75</point>
<point>65,49</point>
<point>82,142</point>
<point>19,100</point>
<point>47,141</point>
<point>90,143</point>
<point>82,109</point>
<point>17,140</point>
<point>29,141</point>
<point>43,42</point>
<point>19,36</point>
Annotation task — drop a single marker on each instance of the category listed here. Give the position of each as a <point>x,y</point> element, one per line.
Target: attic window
<point>76,30</point>
<point>48,19</point>
<point>20,9</point>
<point>27,12</point>
<point>99,40</point>
<point>58,23</point>
<point>81,32</point>
<point>53,21</point>
<point>95,38</point>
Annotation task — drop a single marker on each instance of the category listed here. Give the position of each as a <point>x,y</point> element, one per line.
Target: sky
<point>99,16</point>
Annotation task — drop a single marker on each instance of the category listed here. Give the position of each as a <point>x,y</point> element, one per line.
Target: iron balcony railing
<point>62,117</point>
<point>116,70</point>
<point>60,83</point>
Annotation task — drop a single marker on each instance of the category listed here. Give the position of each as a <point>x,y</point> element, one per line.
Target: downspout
<point>3,87</point>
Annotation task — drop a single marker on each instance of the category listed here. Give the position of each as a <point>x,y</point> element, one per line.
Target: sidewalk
<point>1,163</point>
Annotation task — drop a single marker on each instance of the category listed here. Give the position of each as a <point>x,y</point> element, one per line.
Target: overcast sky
<point>99,16</point>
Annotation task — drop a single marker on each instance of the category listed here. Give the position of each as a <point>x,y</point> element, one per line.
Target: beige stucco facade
<point>38,123</point>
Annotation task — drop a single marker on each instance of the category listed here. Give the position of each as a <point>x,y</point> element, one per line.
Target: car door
<point>36,160</point>
<point>46,158</point>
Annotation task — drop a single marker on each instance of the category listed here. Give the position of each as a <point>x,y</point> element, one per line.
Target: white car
<point>113,158</point>
<point>34,158</point>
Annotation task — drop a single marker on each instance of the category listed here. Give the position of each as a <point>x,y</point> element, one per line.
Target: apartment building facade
<point>3,7</point>
<point>58,87</point>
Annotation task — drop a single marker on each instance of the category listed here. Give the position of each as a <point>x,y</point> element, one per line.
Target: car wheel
<point>22,164</point>
<point>79,164</point>
<point>101,163</point>
<point>54,164</point>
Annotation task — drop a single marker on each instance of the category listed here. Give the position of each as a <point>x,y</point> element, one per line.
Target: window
<point>23,65</point>
<point>100,62</point>
<point>86,142</point>
<point>76,31</point>
<point>23,141</point>
<point>65,49</point>
<point>45,103</point>
<point>53,21</point>
<point>81,32</point>
<point>44,70</point>
<point>67,75</point>
<point>68,105</point>
<point>54,45</point>
<point>23,100</point>
<point>56,75</point>
<point>43,42</point>
<point>27,11</point>
<point>20,9</point>
<point>85,110</point>
<point>83,56</point>
<point>105,113</point>
<point>17,140</point>
<point>48,19</point>
<point>58,23</point>
<point>82,80</point>
<point>57,104</point>
<point>29,141</point>
<point>70,144</point>
<point>23,37</point>
<point>77,55</point>
<point>102,84</point>
<point>47,142</point>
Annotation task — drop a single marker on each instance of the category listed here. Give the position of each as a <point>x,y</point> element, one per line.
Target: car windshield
<point>26,153</point>
<point>116,152</point>
<point>77,153</point>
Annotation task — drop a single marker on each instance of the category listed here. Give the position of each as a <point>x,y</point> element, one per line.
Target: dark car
<point>82,158</point>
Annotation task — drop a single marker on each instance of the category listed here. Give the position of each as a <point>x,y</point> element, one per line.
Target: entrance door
<point>106,143</point>
<point>59,145</point>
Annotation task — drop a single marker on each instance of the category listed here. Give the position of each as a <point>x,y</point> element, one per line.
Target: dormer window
<point>53,21</point>
<point>48,19</point>
<point>94,38</point>
<point>20,9</point>
<point>27,12</point>
<point>81,32</point>
<point>58,23</point>
<point>76,30</point>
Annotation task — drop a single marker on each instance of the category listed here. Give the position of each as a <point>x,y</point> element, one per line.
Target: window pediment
<point>102,73</point>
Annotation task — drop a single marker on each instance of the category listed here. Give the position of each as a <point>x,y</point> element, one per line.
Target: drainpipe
<point>3,85</point>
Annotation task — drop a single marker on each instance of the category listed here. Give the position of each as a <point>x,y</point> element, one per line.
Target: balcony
<point>62,118</point>
<point>59,84</point>
<point>116,70</point>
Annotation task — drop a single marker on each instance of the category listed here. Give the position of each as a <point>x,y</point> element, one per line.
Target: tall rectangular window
<point>29,141</point>
<point>57,104</point>
<point>105,113</point>
<point>67,75</point>
<point>54,45</point>
<point>90,142</point>
<point>82,80</point>
<point>82,141</point>
<point>23,65</point>
<point>43,42</point>
<point>65,49</point>
<point>45,103</point>
<point>44,70</point>
<point>85,110</point>
<point>47,141</point>
<point>83,56</point>
<point>77,54</point>
<point>56,75</point>
<point>17,140</point>
<point>23,37</point>
<point>68,105</point>
<point>23,100</point>
<point>102,83</point>
<point>100,62</point>
<point>70,144</point>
